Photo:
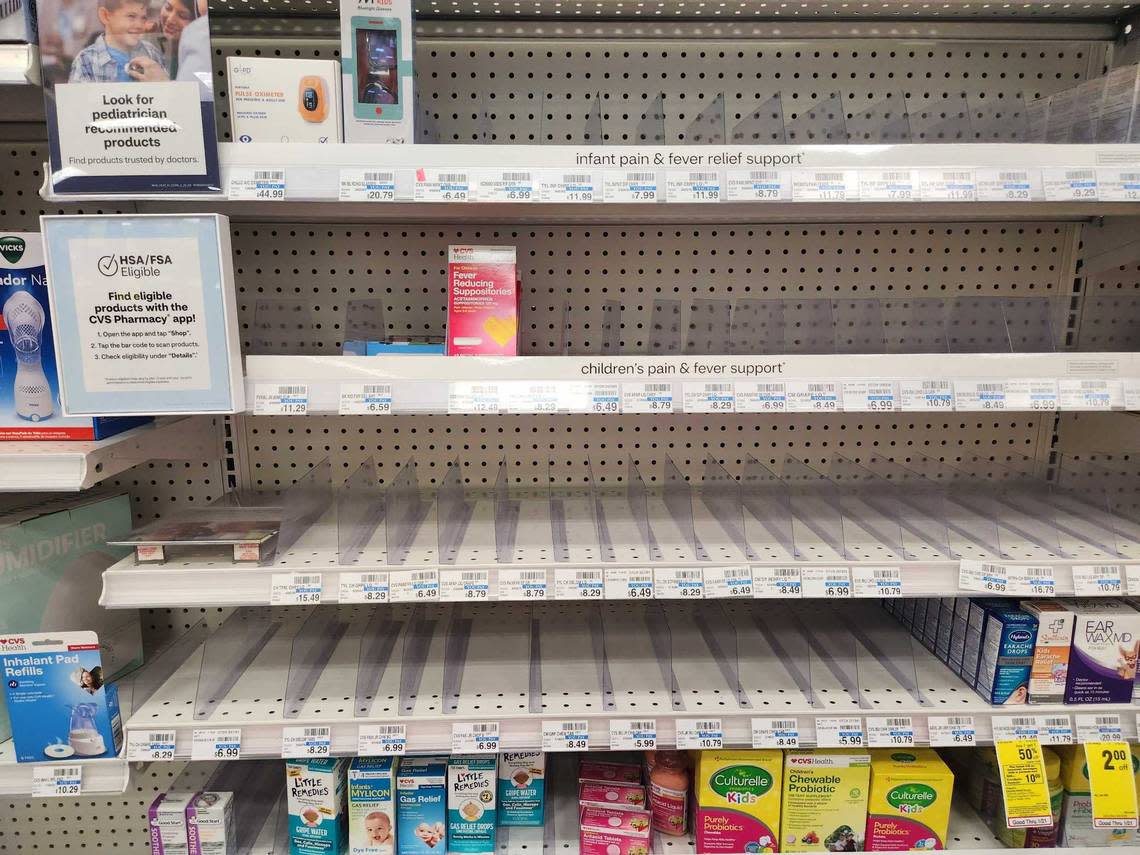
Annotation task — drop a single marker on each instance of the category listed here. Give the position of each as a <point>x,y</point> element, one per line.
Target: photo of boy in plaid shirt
<point>122,53</point>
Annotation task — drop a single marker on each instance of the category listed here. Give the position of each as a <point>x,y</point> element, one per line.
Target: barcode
<point>378,178</point>
<point>372,578</point>
<point>574,726</point>
<point>769,387</point>
<point>687,574</point>
<point>577,179</point>
<point>641,176</point>
<point>533,575</point>
<point>960,721</point>
<point>707,725</point>
<point>1130,176</point>
<point>736,572</point>
<point>453,177</point>
<point>485,728</point>
<point>787,574</point>
<point>165,737</point>
<point>718,387</point>
<point>472,576</point>
<point>1022,721</point>
<point>1063,721</point>
<point>764,176</point>
<point>1013,176</point>
<point>1100,720</point>
<point>390,729</point>
<point>934,385</point>
<point>316,732</point>
<point>820,387</point>
<point>543,390</point>
<point>898,722</point>
<point>423,576</point>
<point>377,390</point>
<point>306,580</point>
<point>702,176</point>
<point>658,387</point>
<point>264,175</point>
<point>1092,385</point>
<point>956,176</point>
<point>829,176</point>
<point>885,574</point>
<point>66,772</point>
<point>896,176</point>
<point>290,390</point>
<point>642,725</point>
<point>991,387</point>
<point>516,176</point>
<point>484,390</point>
<point>1079,175</point>
<point>587,575</point>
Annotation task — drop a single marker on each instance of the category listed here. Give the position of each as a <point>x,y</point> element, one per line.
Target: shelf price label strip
<point>53,781</point>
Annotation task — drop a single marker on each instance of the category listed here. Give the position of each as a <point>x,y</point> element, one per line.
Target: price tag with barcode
<point>692,187</point>
<point>832,583</point>
<point>367,185</point>
<point>752,397</point>
<point>1062,185</point>
<point>678,583</point>
<point>926,396</point>
<point>270,399</point>
<point>775,733</point>
<point>890,731</point>
<point>50,781</point>
<point>647,397</point>
<point>565,736</point>
<point>369,587</point>
<point>472,398</point>
<point>259,184</point>
<point>887,185</point>
<point>295,589</point>
<point>629,583</point>
<point>1032,580</point>
<point>1098,580</point>
<point>533,396</point>
<point>1118,185</point>
<point>603,398</point>
<point>812,396</point>
<point>947,185</point>
<point>306,741</point>
<point>869,396</point>
<point>442,185</point>
<point>1098,727</point>
<point>1015,727</point>
<point>630,187</point>
<point>1033,394</point>
<point>216,743</point>
<point>365,399</point>
<point>1077,394</point>
<point>559,186</point>
<point>480,737</point>
<point>465,586</point>
<point>1132,579</point>
<point>413,586</point>
<point>579,584</point>
<point>381,740</point>
<point>630,734</point>
<point>726,582</point>
<point>777,583</point>
<point>979,395</point>
<point>983,576</point>
<point>150,744</point>
<point>1055,729</point>
<point>758,185</point>
<point>824,185</point>
<point>839,732</point>
<point>709,397</point>
<point>505,185</point>
<point>522,585</point>
<point>697,733</point>
<point>1008,185</point>
<point>950,731</point>
<point>1131,394</point>
<point>876,581</point>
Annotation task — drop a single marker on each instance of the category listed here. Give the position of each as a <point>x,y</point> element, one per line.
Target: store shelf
<point>19,64</point>
<point>103,776</point>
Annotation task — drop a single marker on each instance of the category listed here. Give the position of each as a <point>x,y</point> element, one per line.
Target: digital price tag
<point>602,398</point>
<point>839,732</point>
<point>831,583</point>
<point>1033,395</point>
<point>216,743</point>
<point>1098,727</point>
<point>369,587</point>
<point>879,582</point>
<point>381,740</point>
<point>754,397</point>
<point>295,589</point>
<point>709,397</point>
<point>473,398</point>
<point>414,586</point>
<point>365,399</point>
<point>522,585</point>
<point>275,400</point>
<point>775,733</point>
<point>1112,784</point>
<point>258,184</point>
<point>150,745</point>
<point>647,397</point>
<point>890,731</point>
<point>627,583</point>
<point>306,741</point>
<point>678,583</point>
<point>983,576</point>
<point>887,185</point>
<point>1008,185</point>
<point>777,583</point>
<point>565,736</point>
<point>869,396</point>
<point>1077,394</point>
<point>824,185</point>
<point>51,781</point>
<point>1024,787</point>
<point>1055,729</point>
<point>1098,580</point>
<point>480,737</point>
<point>692,187</point>
<point>578,584</point>
<point>442,185</point>
<point>1064,185</point>
<point>1118,185</point>
<point>367,185</point>
<point>812,397</point>
<point>947,185</point>
<point>952,731</point>
<point>630,187</point>
<point>630,734</point>
<point>727,582</point>
<point>1015,727</point>
<point>979,395</point>
<point>926,396</point>
<point>505,185</point>
<point>758,185</point>
<point>698,733</point>
<point>465,586</point>
<point>558,186</point>
<point>1032,580</point>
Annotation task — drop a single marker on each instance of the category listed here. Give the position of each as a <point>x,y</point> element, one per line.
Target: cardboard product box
<point>909,804</point>
<point>738,800</point>
<point>1120,106</point>
<point>278,100</point>
<point>522,788</point>
<point>166,819</point>
<point>1007,656</point>
<point>958,634</point>
<point>945,627</point>
<point>210,826</point>
<point>421,806</point>
<point>317,805</point>
<point>372,805</point>
<point>1050,669</point>
<point>1077,830</point>
<point>376,50</point>
<point>1102,662</point>
<point>975,630</point>
<point>482,301</point>
<point>824,803</point>
<point>472,783</point>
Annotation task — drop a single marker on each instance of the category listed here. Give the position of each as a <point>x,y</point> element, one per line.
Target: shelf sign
<point>775,733</point>
<point>295,589</point>
<point>1112,784</point>
<point>565,736</point>
<point>145,745</point>
<point>480,737</point>
<point>678,583</point>
<point>758,185</point>
<point>1098,727</point>
<point>839,733</point>
<point>982,576</point>
<point>381,740</point>
<point>258,184</point>
<point>505,185</point>
<point>442,185</point>
<point>926,396</point>
<point>367,185</point>
<point>370,587</point>
<point>830,583</point>
<point>365,399</point>
<point>557,186</point>
<point>629,583</point>
<point>630,187</point>
<point>465,586</point>
<point>627,734</point>
<point>890,731</point>
<point>416,586</point>
<point>52,781</point>
<point>273,399</point>
<point>728,582</point>
<point>777,583</point>
<point>1098,580</point>
<point>1050,729</point>
<point>647,397</point>
<point>1023,783</point>
<point>887,185</point>
<point>579,584</point>
<point>699,734</point>
<point>692,187</point>
<point>1067,185</point>
<point>1032,581</point>
<point>882,582</point>
<point>951,731</point>
<point>216,743</point>
<point>517,583</point>
<point>306,741</point>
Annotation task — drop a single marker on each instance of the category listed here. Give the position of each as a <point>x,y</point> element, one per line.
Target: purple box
<point>1102,665</point>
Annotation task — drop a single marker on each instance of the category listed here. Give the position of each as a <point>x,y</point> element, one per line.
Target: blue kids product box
<point>1007,656</point>
<point>318,819</point>
<point>372,806</point>
<point>522,787</point>
<point>421,806</point>
<point>59,706</point>
<point>471,785</point>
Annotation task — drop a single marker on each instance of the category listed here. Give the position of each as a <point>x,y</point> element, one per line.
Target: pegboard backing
<point>21,174</point>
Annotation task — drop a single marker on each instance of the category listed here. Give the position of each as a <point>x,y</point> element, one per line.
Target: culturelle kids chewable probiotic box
<point>738,800</point>
<point>909,806</point>
<point>824,806</point>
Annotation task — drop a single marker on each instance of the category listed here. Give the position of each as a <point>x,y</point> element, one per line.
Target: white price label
<point>529,396</point>
<point>775,733</point>
<point>692,187</point>
<point>216,743</point>
<point>481,737</point>
<point>295,589</point>
<point>1016,727</point>
<point>869,396</point>
<point>1118,185</point>
<point>442,185</point>
<point>369,587</point>
<point>698,733</point>
<point>1055,729</point>
<point>505,185</point>
<point>1063,185</point>
<point>630,734</point>
<point>603,398</point>
<point>983,576</point>
<point>51,781</point>
<point>947,185</point>
<point>824,185</point>
<point>473,398</point>
<point>413,586</point>
<point>882,582</point>
<point>812,397</point>
<point>565,736</point>
<point>1098,580</point>
<point>275,400</point>
<point>1078,394</point>
<point>365,399</point>
<point>628,583</point>
<point>979,395</point>
<point>465,586</point>
<point>727,582</point>
<point>709,397</point>
<point>758,185</point>
<point>1099,727</point>
<point>575,583</point>
<point>777,583</point>
<point>258,184</point>
<point>839,732</point>
<point>381,740</point>
<point>890,731</point>
<point>150,745</point>
<point>630,187</point>
<point>1132,578</point>
<point>752,397</point>
<point>522,585</point>
<point>887,185</point>
<point>558,186</point>
<point>926,396</point>
<point>367,185</point>
<point>951,731</point>
<point>1131,394</point>
<point>678,583</point>
<point>647,397</point>
<point>1031,394</point>
<point>832,583</point>
<point>1032,580</point>
<point>306,741</point>
<point>1008,185</point>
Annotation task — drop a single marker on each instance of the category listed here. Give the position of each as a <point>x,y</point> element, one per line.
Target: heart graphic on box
<point>501,330</point>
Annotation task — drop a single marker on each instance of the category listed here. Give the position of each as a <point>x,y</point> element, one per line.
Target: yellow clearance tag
<point>1023,784</point>
<point>1112,784</point>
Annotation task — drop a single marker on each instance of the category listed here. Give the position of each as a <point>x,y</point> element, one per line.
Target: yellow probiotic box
<point>738,800</point>
<point>824,804</point>
<point>909,806</point>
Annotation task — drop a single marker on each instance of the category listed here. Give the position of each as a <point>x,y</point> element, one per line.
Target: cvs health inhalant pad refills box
<point>482,301</point>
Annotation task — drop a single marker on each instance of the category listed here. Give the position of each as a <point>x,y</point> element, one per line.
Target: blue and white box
<point>316,800</point>
<point>372,806</point>
<point>522,787</point>
<point>1007,656</point>
<point>421,806</point>
<point>472,782</point>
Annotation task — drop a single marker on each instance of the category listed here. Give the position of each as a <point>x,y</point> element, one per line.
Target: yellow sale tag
<point>1112,784</point>
<point>1023,784</point>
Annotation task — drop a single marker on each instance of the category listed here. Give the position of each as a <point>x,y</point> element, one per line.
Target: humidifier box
<point>284,100</point>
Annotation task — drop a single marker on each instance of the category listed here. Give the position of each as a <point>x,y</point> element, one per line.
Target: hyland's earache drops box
<point>738,800</point>
<point>909,805</point>
<point>824,804</point>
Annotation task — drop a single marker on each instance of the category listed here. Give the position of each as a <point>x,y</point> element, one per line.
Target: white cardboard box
<point>284,100</point>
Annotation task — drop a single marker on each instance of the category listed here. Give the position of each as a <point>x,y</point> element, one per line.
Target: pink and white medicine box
<point>482,301</point>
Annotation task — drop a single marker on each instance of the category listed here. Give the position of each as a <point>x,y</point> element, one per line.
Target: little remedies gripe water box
<point>522,787</point>
<point>372,806</point>
<point>471,785</point>
<point>316,800</point>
